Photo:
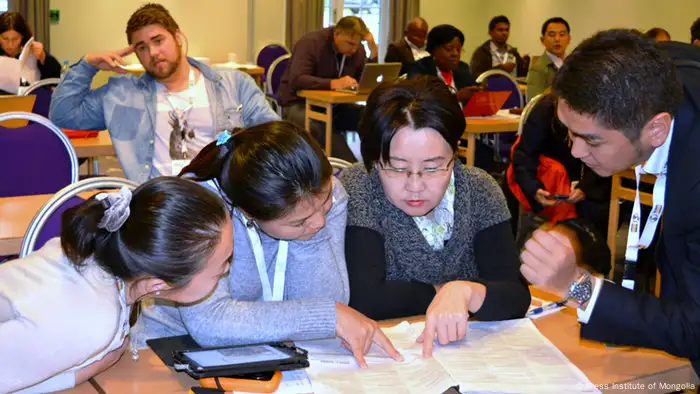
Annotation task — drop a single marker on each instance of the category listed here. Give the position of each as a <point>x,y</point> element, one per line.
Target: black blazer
<point>671,323</point>
<point>426,66</point>
<point>400,52</point>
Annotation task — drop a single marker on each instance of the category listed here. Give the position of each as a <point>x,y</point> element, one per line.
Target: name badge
<point>178,165</point>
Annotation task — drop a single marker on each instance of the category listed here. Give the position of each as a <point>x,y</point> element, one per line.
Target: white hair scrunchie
<point>116,209</point>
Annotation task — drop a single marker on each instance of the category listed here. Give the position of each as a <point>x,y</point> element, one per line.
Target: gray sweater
<point>393,269</point>
<point>235,313</point>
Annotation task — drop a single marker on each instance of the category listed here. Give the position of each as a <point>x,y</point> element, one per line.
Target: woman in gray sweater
<point>426,235</point>
<point>288,279</point>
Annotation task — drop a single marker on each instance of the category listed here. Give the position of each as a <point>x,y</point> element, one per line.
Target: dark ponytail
<point>265,170</point>
<point>173,228</point>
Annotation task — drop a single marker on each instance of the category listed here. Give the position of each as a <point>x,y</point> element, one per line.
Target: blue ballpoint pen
<point>544,308</point>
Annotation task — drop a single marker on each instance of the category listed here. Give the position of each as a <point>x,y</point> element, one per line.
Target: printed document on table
<point>509,357</point>
<point>334,370</point>
<point>495,357</point>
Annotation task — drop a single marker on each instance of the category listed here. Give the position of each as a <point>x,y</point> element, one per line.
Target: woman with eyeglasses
<point>426,235</point>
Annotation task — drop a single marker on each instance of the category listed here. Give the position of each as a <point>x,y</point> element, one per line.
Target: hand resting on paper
<point>358,332</point>
<point>109,61</point>
<point>447,315</point>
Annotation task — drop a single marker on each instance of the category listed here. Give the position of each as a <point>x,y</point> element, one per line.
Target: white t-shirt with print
<point>196,130</point>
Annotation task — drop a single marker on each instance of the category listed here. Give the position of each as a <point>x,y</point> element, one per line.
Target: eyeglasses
<point>426,173</point>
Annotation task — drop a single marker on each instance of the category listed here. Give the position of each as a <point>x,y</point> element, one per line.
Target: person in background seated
<point>14,34</point>
<point>445,48</point>
<point>544,135</point>
<point>412,47</point>
<point>65,308</point>
<point>158,121</point>
<point>695,32</point>
<point>289,279</point>
<point>658,34</point>
<point>555,38</point>
<point>328,59</point>
<point>426,235</point>
<point>496,53</point>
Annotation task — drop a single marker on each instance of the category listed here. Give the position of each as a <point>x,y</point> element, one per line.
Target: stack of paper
<point>496,357</point>
<point>13,71</point>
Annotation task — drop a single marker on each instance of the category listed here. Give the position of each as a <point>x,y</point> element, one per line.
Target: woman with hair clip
<point>65,308</point>
<point>289,280</point>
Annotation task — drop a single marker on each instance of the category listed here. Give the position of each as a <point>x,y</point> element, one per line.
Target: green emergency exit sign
<point>54,16</point>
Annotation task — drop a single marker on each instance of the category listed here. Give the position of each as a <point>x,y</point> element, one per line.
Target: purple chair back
<point>46,224</point>
<point>500,81</point>
<point>277,70</point>
<point>268,55</point>
<point>43,101</point>
<point>42,90</point>
<point>36,159</point>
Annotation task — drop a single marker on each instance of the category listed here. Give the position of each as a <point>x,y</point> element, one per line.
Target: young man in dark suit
<point>628,101</point>
<point>411,48</point>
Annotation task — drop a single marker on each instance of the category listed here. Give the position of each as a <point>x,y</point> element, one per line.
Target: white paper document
<point>495,357</point>
<point>13,71</point>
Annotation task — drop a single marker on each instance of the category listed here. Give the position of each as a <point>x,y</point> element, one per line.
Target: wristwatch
<point>580,291</point>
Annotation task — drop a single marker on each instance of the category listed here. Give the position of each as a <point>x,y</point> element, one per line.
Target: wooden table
<point>325,99</point>
<point>487,125</point>
<point>253,70</point>
<point>85,388</point>
<point>15,215</point>
<point>607,366</point>
<point>602,366</point>
<point>91,148</point>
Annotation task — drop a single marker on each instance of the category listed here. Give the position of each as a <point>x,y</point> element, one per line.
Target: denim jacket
<point>126,106</point>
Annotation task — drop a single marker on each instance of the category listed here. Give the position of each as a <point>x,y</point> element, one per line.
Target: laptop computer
<point>486,103</point>
<point>372,75</point>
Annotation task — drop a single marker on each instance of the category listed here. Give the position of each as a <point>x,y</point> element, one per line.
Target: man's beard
<point>169,71</point>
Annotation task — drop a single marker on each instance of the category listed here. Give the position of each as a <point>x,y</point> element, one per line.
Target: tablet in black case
<point>184,354</point>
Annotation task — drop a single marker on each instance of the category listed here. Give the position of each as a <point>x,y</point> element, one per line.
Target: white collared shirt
<point>418,53</point>
<point>555,59</point>
<point>654,166</point>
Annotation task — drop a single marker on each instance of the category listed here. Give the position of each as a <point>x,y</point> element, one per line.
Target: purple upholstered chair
<point>42,90</point>
<point>46,224</point>
<point>274,79</point>
<point>268,55</point>
<point>36,159</point>
<point>499,80</point>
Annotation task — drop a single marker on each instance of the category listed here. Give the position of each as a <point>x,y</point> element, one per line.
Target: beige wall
<point>213,27</point>
<point>585,17</point>
<point>269,18</point>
